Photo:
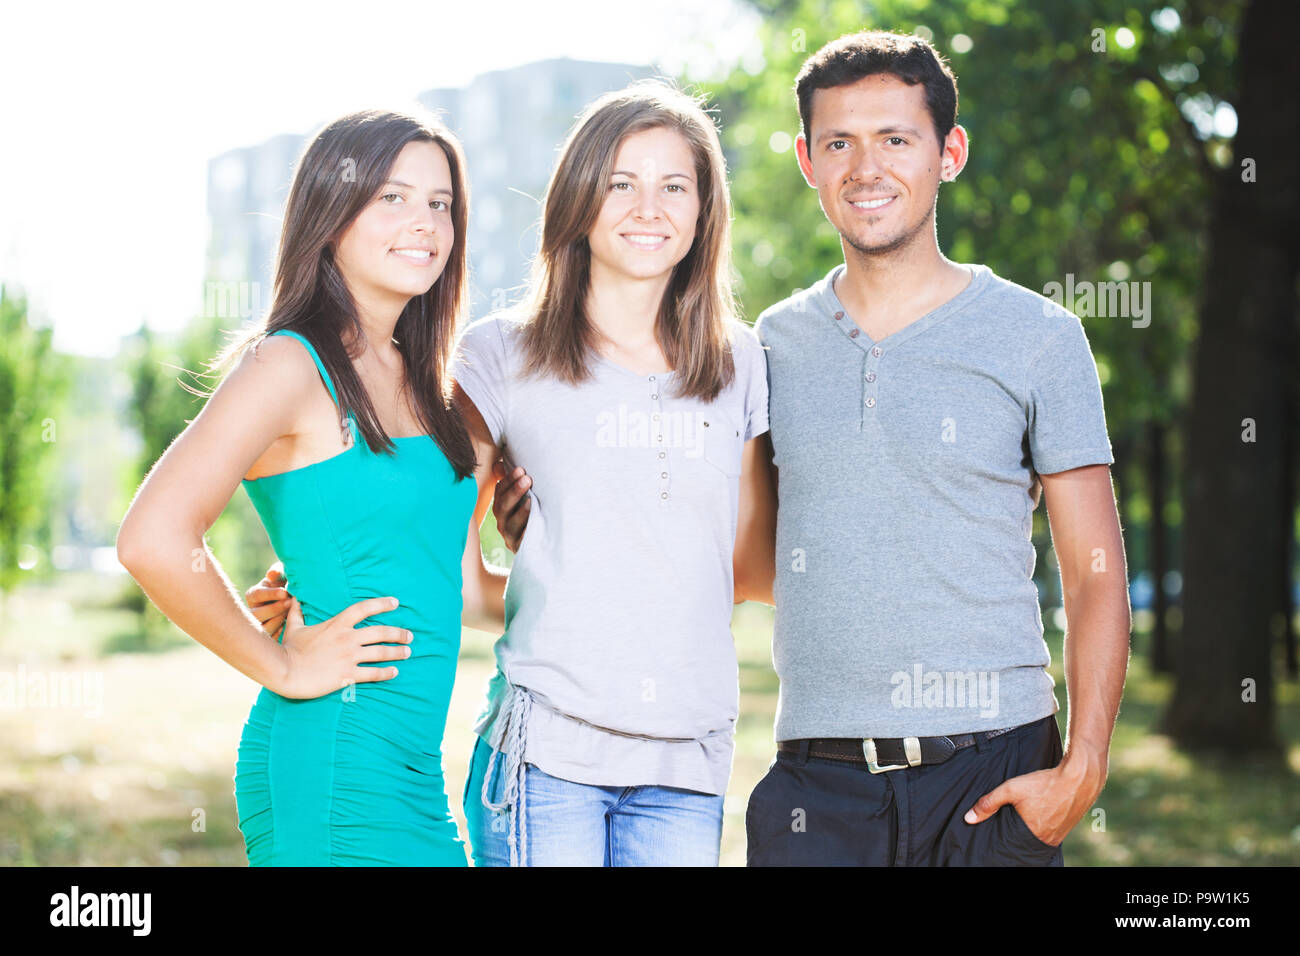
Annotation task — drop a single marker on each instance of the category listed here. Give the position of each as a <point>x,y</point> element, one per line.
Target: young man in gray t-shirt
<point>919,409</point>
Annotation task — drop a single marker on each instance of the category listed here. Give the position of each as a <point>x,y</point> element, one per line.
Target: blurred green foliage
<point>34,382</point>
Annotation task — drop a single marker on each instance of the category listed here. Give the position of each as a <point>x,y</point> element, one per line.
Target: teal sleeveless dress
<point>354,778</point>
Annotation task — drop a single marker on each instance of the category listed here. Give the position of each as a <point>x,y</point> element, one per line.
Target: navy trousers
<point>813,811</point>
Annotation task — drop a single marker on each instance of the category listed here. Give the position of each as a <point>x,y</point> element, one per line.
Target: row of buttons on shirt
<point>659,436</point>
<point>876,352</point>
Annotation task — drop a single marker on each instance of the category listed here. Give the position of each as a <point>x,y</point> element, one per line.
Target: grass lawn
<point>145,777</point>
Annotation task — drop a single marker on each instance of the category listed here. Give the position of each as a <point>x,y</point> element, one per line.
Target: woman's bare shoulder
<point>280,361</point>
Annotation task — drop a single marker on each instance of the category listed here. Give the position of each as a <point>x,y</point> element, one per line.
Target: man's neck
<point>884,293</point>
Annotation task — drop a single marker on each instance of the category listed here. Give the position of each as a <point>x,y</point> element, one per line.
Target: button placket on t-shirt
<point>660,446</point>
<point>870,366</point>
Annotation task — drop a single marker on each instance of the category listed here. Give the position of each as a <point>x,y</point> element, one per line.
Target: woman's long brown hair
<point>343,168</point>
<point>693,324</point>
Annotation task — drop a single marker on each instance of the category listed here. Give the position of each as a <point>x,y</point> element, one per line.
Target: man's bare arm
<point>483,586</point>
<point>1090,551</point>
<point>1094,580</point>
<point>754,559</point>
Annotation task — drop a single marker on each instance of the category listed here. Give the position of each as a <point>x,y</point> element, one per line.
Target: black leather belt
<point>890,753</point>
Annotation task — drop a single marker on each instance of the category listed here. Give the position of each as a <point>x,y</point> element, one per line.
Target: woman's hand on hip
<point>321,658</point>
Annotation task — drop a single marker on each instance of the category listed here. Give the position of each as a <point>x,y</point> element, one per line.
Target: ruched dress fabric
<point>354,778</point>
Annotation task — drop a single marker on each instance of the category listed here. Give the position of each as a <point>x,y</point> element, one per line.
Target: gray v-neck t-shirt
<point>618,605</point>
<point>907,480</point>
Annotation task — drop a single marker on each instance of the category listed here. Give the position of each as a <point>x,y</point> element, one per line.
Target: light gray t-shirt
<point>618,606</point>
<point>907,478</point>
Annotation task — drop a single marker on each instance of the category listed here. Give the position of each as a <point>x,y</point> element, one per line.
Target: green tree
<point>33,385</point>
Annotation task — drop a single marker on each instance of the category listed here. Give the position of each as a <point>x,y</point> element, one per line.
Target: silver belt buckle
<point>911,748</point>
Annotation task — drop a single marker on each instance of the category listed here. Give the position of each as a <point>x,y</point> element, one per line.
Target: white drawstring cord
<point>510,741</point>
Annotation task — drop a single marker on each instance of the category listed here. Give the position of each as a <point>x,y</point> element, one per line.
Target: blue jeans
<point>578,824</point>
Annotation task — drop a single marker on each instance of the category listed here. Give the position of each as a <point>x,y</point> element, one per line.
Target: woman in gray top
<point>633,397</point>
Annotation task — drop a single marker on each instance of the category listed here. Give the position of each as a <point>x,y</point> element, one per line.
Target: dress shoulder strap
<point>320,366</point>
<point>352,426</point>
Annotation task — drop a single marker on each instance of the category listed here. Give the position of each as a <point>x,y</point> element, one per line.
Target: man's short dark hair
<point>856,55</point>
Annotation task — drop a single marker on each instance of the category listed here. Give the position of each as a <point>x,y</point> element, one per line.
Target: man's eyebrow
<point>398,182</point>
<point>910,130</point>
<point>624,172</point>
<point>883,131</point>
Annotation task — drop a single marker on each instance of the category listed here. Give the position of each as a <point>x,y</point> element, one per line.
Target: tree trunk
<point>1237,530</point>
<point>1159,550</point>
<point>1285,574</point>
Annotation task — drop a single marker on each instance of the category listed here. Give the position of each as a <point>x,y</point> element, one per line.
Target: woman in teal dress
<point>337,421</point>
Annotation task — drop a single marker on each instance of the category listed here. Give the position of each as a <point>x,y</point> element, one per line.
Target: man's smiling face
<point>875,160</point>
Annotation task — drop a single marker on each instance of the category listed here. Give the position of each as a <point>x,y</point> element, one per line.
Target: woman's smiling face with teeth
<point>647,222</point>
<point>398,245</point>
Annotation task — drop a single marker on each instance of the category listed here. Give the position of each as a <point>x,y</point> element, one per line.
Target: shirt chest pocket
<point>722,443</point>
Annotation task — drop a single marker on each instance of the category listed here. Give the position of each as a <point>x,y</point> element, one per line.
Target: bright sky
<point>110,113</point>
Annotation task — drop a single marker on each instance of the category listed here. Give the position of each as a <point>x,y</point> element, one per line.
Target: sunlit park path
<point>148,779</point>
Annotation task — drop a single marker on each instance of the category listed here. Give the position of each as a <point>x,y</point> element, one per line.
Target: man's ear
<point>805,161</point>
<point>956,149</point>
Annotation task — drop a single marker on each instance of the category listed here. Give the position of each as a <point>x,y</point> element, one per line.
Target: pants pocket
<point>1040,750</point>
<point>472,798</point>
<point>1004,839</point>
<point>1022,836</point>
<point>488,829</point>
<point>760,818</point>
<point>469,776</point>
